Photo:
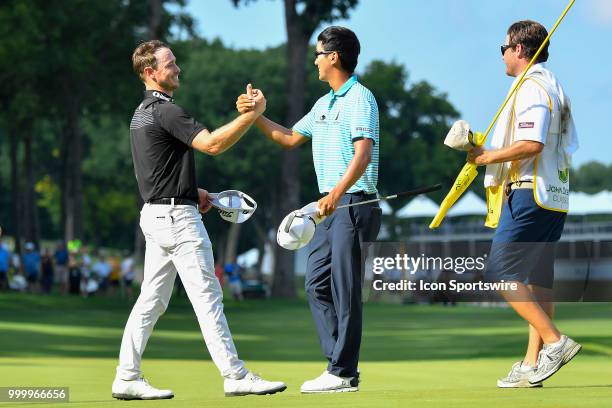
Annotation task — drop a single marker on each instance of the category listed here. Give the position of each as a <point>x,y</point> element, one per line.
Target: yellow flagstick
<point>469,171</point>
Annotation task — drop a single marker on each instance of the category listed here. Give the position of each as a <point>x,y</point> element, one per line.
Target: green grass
<point>417,356</point>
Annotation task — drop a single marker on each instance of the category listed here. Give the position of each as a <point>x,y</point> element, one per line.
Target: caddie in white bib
<point>551,166</point>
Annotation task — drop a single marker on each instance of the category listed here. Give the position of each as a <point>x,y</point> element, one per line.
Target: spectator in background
<point>47,270</point>
<point>5,260</point>
<point>102,271</point>
<point>61,266</point>
<point>115,274</point>
<point>128,274</point>
<point>85,262</point>
<point>232,269</point>
<point>15,264</point>
<point>31,266</point>
<point>74,273</point>
<point>219,273</point>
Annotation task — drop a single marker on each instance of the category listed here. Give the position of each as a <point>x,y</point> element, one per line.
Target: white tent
<point>420,206</point>
<point>469,204</point>
<point>585,204</point>
<point>579,203</point>
<point>248,258</point>
<point>386,208</point>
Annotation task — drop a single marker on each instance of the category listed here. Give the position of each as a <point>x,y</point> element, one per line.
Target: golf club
<point>409,193</point>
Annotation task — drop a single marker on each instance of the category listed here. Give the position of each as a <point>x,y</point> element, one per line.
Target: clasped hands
<point>251,101</point>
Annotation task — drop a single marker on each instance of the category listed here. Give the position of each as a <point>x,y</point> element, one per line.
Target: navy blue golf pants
<point>334,280</point>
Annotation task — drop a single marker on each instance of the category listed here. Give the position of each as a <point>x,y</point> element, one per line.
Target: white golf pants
<point>176,241</point>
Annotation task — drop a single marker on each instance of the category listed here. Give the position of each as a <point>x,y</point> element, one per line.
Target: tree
<point>300,26</point>
<point>592,177</point>
<point>69,64</point>
<point>18,30</point>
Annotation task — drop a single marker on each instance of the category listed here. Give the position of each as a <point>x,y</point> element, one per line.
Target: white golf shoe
<point>138,389</point>
<point>554,356</point>
<point>251,384</point>
<point>327,383</point>
<point>518,377</point>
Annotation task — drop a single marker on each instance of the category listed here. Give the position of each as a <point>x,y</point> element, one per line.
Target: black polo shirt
<point>161,133</point>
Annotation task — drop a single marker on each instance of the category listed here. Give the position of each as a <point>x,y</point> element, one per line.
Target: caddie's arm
<point>279,134</point>
<point>214,143</point>
<point>354,171</point>
<point>518,150</point>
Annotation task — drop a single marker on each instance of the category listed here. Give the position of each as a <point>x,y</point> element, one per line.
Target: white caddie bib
<point>551,170</point>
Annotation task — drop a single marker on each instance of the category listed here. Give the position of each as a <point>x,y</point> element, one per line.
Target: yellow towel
<point>495,201</point>
<point>467,174</point>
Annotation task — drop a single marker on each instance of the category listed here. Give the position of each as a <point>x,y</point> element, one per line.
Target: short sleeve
<point>178,123</point>
<point>305,125</point>
<point>532,110</point>
<point>364,120</point>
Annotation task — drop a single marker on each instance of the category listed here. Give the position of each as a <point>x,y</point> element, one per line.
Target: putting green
<point>418,356</point>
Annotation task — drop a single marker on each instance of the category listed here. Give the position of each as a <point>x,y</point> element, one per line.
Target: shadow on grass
<point>283,330</point>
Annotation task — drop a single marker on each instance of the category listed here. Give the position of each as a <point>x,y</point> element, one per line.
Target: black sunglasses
<point>505,47</point>
<point>317,53</point>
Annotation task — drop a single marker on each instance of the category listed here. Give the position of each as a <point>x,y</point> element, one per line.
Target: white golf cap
<point>298,227</point>
<point>460,136</point>
<point>234,206</point>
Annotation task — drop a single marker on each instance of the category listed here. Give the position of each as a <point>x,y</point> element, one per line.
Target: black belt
<point>177,201</point>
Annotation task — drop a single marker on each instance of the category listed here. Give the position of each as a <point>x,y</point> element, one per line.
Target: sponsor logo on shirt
<point>525,125</point>
<point>162,96</point>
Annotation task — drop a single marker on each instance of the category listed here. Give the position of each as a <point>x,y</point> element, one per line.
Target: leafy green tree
<point>22,106</point>
<point>592,177</point>
<point>71,62</point>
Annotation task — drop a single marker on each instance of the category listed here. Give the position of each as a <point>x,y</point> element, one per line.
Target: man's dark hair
<point>144,56</point>
<point>344,42</point>
<point>530,34</point>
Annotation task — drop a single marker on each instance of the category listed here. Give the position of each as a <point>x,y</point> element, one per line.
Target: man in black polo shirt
<point>163,137</point>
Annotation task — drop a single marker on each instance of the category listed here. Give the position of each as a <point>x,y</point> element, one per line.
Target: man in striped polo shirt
<point>343,127</point>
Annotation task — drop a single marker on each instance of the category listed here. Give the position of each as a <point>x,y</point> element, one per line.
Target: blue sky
<point>454,45</point>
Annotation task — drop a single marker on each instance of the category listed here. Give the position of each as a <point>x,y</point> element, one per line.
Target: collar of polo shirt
<point>345,87</point>
<point>159,94</point>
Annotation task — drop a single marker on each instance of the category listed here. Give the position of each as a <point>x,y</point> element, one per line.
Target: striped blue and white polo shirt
<point>335,121</point>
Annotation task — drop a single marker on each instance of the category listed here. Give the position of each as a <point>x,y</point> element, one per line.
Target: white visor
<point>234,206</point>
